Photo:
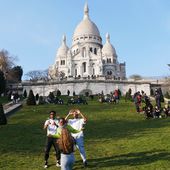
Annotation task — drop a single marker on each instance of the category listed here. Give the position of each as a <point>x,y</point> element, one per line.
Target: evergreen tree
<point>37,97</point>
<point>25,94</point>
<point>41,100</point>
<point>31,98</point>
<point>3,120</point>
<point>16,73</point>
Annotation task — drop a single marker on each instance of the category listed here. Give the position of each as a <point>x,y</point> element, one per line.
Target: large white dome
<point>86,29</point>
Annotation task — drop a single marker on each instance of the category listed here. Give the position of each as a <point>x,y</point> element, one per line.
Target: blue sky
<point>139,31</point>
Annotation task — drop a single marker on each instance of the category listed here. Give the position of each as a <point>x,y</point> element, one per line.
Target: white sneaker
<point>58,164</point>
<point>45,166</point>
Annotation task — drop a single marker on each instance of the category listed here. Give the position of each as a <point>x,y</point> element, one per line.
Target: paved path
<point>11,108</point>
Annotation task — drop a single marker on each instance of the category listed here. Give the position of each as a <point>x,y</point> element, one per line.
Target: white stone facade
<point>87,57</point>
<point>81,86</point>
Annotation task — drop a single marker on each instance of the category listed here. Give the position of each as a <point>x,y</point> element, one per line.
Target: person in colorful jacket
<point>66,146</point>
<point>77,122</point>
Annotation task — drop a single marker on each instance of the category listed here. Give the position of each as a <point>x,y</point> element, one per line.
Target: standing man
<point>78,123</point>
<point>51,126</point>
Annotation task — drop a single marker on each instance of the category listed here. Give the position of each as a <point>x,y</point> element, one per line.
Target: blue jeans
<point>80,146</point>
<point>67,161</point>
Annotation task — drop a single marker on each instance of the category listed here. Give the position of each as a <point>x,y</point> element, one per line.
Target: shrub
<point>86,93</point>
<point>58,93</point>
<point>3,120</point>
<point>41,100</point>
<point>31,98</point>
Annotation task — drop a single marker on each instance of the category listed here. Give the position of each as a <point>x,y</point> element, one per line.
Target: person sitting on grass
<point>166,110</point>
<point>148,111</point>
<point>157,112</point>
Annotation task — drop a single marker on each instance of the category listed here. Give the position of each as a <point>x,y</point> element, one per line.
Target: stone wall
<point>81,86</point>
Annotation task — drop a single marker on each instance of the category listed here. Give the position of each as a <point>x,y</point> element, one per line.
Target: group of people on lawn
<point>148,110</point>
<point>64,134</point>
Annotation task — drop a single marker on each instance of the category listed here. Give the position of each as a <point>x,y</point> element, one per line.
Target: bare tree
<point>61,75</point>
<point>53,73</point>
<point>37,75</point>
<point>6,61</point>
<point>136,77</point>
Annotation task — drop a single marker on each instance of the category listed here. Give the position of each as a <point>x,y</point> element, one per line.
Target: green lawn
<point>3,100</point>
<point>116,137</point>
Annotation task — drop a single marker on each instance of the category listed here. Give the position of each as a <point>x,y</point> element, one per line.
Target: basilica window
<point>62,62</point>
<point>84,52</point>
<point>84,67</point>
<point>91,49</point>
<point>93,71</point>
<point>75,72</point>
<point>109,60</point>
<point>95,51</point>
<point>109,73</point>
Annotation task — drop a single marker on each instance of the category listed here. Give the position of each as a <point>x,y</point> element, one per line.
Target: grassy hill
<point>116,137</point>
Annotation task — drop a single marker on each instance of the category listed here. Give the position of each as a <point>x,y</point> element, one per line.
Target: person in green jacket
<point>67,158</point>
<point>62,123</point>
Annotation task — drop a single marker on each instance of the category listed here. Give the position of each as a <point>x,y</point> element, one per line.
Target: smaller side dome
<point>63,49</point>
<point>108,49</point>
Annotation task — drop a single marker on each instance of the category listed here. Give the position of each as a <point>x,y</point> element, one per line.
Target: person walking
<point>78,124</point>
<point>51,126</point>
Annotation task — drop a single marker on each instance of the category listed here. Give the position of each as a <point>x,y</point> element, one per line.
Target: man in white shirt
<point>51,126</point>
<point>78,124</point>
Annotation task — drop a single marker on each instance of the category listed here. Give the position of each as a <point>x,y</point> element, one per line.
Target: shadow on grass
<point>118,129</point>
<point>130,159</point>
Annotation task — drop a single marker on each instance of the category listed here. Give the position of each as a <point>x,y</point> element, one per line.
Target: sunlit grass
<point>116,137</point>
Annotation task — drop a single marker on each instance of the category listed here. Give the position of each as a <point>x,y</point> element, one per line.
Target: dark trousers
<point>137,107</point>
<point>49,143</point>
